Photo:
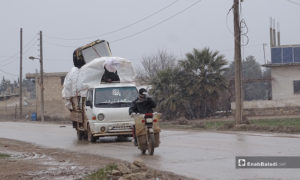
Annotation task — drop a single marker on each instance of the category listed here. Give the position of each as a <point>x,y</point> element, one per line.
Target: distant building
<point>285,80</point>
<point>285,72</point>
<point>53,85</point>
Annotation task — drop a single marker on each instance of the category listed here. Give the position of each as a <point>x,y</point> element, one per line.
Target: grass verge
<point>287,125</point>
<point>2,156</point>
<point>102,174</point>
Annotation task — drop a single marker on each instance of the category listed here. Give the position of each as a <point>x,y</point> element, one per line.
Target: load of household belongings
<point>87,53</point>
<point>99,70</point>
<point>140,129</point>
<point>94,64</point>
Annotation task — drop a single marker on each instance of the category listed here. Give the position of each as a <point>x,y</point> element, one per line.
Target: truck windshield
<point>115,96</point>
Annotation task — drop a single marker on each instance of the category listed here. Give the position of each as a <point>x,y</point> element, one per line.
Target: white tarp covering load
<point>78,81</point>
<point>69,89</point>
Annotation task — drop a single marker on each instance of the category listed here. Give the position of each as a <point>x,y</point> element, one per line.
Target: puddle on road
<point>54,169</point>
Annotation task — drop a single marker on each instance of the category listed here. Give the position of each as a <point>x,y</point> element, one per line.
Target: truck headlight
<point>100,116</point>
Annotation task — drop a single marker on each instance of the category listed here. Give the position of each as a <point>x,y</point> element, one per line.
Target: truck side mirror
<point>88,103</point>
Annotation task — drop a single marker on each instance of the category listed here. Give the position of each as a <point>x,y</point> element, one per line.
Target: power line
<point>160,22</point>
<point>9,73</point>
<point>15,59</point>
<point>59,45</point>
<point>243,25</point>
<point>293,2</point>
<point>28,46</point>
<point>121,28</point>
<point>17,53</point>
<point>227,26</point>
<point>10,62</point>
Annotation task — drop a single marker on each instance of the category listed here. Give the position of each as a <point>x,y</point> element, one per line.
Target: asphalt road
<point>202,155</point>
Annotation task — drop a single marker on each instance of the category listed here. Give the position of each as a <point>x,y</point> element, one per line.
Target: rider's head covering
<point>142,91</point>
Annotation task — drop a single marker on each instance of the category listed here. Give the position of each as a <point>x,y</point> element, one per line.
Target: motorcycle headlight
<point>100,116</point>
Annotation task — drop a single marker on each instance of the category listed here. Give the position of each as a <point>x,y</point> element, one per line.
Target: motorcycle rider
<point>142,104</point>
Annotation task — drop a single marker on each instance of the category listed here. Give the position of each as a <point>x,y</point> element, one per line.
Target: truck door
<point>89,104</point>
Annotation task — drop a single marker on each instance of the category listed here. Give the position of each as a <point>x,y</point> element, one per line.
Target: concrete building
<point>285,72</point>
<point>54,104</point>
<point>285,80</point>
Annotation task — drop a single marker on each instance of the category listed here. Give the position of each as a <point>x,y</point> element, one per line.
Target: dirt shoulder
<point>28,161</point>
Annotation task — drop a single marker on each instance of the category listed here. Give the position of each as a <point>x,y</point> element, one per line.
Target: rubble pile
<point>139,171</point>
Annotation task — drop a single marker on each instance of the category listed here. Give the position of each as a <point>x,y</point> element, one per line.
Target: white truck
<point>104,112</point>
<point>100,108</point>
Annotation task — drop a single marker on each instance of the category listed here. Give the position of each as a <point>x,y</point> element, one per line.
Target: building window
<point>297,87</point>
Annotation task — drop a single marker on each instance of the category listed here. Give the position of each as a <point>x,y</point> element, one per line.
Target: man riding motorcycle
<point>143,104</point>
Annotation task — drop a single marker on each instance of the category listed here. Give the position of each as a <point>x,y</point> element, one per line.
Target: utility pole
<point>271,32</point>
<point>278,34</point>
<point>264,45</point>
<point>237,59</point>
<point>36,91</point>
<point>274,33</point>
<point>21,67</point>
<point>42,76</point>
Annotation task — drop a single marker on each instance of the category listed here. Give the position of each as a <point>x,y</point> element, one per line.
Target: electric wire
<point>227,26</point>
<point>139,32</point>
<point>12,74</point>
<point>17,53</point>
<point>118,29</point>
<point>242,34</point>
<point>243,27</point>
<point>156,24</point>
<point>26,48</point>
<point>59,45</point>
<point>293,2</point>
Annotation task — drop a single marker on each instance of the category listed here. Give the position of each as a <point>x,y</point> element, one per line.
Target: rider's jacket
<point>142,106</point>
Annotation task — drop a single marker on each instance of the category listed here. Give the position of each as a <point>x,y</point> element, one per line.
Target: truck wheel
<point>122,138</point>
<point>80,135</point>
<point>85,135</point>
<point>90,136</point>
<point>143,151</point>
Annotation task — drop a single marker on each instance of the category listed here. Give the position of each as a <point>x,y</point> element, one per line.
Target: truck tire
<point>143,151</point>
<point>90,136</point>
<point>80,135</point>
<point>122,138</point>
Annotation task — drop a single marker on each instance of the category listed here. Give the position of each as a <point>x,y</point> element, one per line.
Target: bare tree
<point>155,63</point>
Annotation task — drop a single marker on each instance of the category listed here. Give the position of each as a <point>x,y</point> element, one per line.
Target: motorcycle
<point>147,131</point>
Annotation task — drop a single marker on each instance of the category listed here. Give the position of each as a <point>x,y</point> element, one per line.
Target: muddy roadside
<point>20,160</point>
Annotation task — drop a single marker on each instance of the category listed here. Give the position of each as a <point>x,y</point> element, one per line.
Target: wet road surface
<point>202,155</point>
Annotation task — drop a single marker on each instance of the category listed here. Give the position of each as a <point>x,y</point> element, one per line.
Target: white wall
<point>282,82</point>
<point>260,104</point>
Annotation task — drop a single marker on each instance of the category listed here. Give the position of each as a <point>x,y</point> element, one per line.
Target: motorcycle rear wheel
<point>151,142</point>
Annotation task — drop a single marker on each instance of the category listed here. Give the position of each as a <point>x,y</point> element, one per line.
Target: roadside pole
<point>237,59</point>
<point>21,67</point>
<point>42,77</point>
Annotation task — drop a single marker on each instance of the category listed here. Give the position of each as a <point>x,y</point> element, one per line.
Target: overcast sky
<point>135,28</point>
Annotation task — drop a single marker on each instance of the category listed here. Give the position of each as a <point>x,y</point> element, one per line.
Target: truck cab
<point>107,110</point>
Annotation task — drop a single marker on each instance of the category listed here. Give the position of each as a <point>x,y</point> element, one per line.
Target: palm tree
<point>167,92</point>
<point>204,80</point>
